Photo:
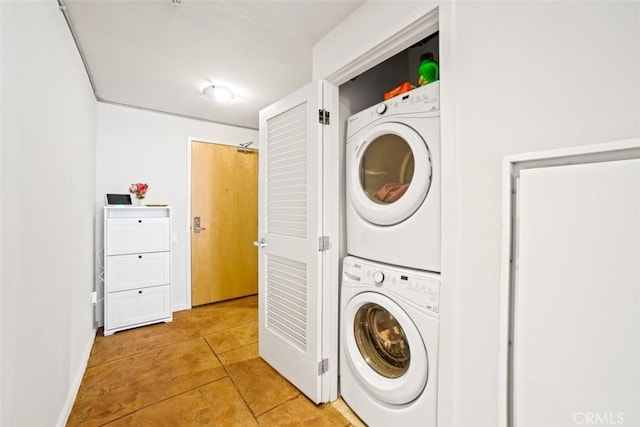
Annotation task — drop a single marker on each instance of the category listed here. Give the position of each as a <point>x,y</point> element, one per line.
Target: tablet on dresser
<point>117,199</point>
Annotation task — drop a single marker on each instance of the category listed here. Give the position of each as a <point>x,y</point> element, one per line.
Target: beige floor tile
<point>130,342</point>
<point>168,375</point>
<point>216,317</point>
<point>240,354</point>
<point>233,338</point>
<point>215,404</point>
<point>260,385</point>
<point>303,412</point>
<point>346,412</point>
<point>186,325</point>
<point>118,388</point>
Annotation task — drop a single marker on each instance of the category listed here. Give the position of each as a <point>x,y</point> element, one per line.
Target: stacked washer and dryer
<point>389,309</point>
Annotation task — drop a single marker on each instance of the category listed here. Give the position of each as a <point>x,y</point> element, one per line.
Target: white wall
<point>142,146</point>
<point>530,76</point>
<point>371,24</point>
<point>516,77</point>
<point>47,197</point>
<point>1,117</point>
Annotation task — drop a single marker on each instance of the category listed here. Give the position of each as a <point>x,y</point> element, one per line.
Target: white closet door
<point>290,223</point>
<point>577,296</point>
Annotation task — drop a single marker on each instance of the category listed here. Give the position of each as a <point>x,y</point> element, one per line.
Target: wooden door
<point>224,196</point>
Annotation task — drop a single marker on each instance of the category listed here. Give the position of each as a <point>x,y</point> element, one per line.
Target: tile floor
<point>201,369</point>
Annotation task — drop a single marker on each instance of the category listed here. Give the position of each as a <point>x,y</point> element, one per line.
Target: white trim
<point>537,159</point>
<point>625,144</point>
<point>187,305</point>
<point>1,234</point>
<point>504,304</point>
<point>74,387</point>
<point>447,359</point>
<point>412,33</point>
<point>181,307</point>
<point>188,225</point>
<point>331,227</point>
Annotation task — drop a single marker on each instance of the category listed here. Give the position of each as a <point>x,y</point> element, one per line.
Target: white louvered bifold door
<point>290,203</point>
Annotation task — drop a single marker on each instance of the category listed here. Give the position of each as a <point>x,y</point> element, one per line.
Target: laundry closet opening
<point>369,88</point>
<point>390,286</point>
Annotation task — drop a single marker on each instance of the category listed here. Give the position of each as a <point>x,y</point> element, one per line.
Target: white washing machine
<point>393,180</point>
<point>389,327</point>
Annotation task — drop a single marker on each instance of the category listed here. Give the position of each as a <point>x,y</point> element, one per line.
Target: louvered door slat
<point>287,172</point>
<point>286,289</point>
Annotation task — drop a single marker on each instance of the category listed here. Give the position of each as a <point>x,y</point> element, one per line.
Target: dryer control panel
<point>420,102</point>
<point>417,286</point>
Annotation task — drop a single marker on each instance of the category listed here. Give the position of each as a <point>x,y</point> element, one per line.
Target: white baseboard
<point>74,387</point>
<point>181,307</point>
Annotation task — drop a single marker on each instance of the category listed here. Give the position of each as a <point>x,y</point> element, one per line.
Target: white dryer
<point>393,180</point>
<point>389,328</point>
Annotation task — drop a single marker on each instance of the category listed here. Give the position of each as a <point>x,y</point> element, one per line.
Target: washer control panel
<point>418,286</point>
<point>378,278</point>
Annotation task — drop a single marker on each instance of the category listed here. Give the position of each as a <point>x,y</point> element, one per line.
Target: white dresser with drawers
<point>137,267</point>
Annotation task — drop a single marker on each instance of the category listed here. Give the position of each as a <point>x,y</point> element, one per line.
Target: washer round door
<point>384,349</point>
<point>390,174</point>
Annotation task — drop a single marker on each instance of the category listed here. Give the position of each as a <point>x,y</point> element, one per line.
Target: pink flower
<point>139,189</point>
<point>142,188</point>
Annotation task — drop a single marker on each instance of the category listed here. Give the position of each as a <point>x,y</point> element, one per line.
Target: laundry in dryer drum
<point>391,192</point>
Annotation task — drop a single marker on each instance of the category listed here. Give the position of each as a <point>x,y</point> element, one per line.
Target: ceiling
<point>158,54</point>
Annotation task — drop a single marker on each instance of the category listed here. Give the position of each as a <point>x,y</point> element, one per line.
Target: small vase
<point>137,201</point>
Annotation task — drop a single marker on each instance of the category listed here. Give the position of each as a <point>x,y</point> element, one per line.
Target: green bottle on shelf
<point>428,71</point>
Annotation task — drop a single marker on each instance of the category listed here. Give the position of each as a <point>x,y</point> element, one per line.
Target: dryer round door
<point>384,349</point>
<point>390,174</point>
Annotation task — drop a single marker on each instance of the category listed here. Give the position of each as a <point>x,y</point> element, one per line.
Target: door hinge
<point>324,117</point>
<point>324,243</point>
<point>323,366</point>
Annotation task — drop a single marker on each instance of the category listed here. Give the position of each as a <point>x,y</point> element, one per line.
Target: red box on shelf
<point>404,87</point>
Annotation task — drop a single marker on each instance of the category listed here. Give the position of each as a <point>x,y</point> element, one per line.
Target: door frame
<point>511,167</point>
<point>190,140</point>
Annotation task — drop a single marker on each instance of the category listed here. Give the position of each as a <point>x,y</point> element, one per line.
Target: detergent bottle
<point>428,71</point>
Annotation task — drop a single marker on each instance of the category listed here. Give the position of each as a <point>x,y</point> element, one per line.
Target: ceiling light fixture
<point>218,93</point>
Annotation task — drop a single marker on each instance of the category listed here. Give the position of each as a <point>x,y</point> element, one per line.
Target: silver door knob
<point>196,225</point>
<point>260,243</point>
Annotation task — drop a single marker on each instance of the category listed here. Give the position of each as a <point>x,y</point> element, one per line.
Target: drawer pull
<point>139,256</point>
<point>139,221</point>
<point>139,292</point>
